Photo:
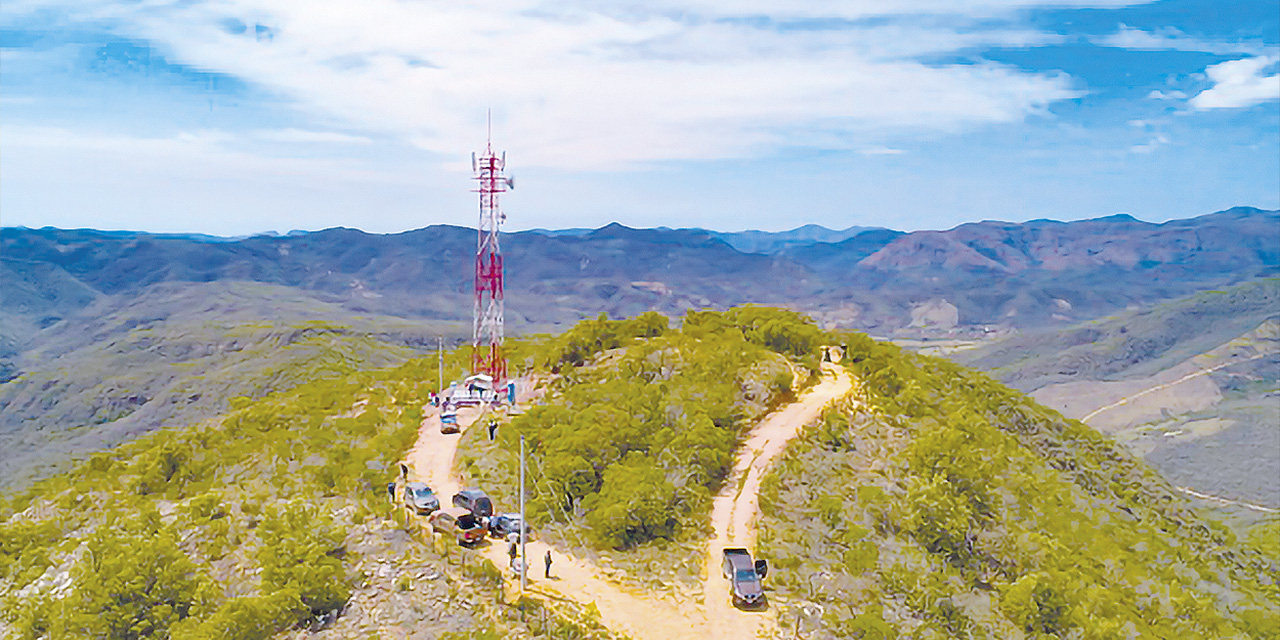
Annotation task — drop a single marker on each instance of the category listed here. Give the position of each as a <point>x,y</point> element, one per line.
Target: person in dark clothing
<point>547,560</point>
<point>513,550</point>
<point>493,429</point>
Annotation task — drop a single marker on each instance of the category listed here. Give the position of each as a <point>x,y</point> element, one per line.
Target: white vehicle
<point>473,391</point>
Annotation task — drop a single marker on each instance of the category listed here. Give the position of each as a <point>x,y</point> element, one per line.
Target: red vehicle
<point>459,523</point>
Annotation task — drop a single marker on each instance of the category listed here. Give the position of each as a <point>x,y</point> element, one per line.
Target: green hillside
<point>1224,446</point>
<point>1136,343</point>
<point>933,502</point>
<point>173,356</point>
<point>272,516</point>
<point>243,527</point>
<point>628,448</point>
<point>938,503</point>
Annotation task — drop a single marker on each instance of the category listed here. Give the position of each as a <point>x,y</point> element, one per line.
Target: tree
<point>299,545</point>
<point>133,582</point>
<point>635,504</point>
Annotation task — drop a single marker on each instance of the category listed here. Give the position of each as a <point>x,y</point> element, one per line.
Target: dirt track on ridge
<point>638,615</point>
<point>635,613</point>
<point>733,510</point>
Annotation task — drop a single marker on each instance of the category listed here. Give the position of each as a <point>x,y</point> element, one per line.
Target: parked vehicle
<point>475,501</point>
<point>457,522</point>
<point>449,421</point>
<point>476,390</point>
<point>744,576</point>
<point>419,498</point>
<point>504,524</point>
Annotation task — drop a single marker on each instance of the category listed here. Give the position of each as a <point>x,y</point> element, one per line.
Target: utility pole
<point>524,557</point>
<point>440,366</point>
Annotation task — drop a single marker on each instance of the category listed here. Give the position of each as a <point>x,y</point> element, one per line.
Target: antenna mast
<point>487,328</point>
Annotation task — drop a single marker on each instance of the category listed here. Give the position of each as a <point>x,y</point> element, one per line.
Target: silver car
<point>420,498</point>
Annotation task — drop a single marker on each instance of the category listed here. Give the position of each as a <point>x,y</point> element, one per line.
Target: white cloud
<point>1154,143</point>
<point>202,148</point>
<point>304,136</point>
<point>213,182</point>
<point>1240,83</point>
<point>1174,94</point>
<point>880,151</point>
<point>1170,39</point>
<point>579,85</point>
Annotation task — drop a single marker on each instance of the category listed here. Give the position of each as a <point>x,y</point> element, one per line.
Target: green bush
<point>246,618</point>
<point>869,626</point>
<point>1036,604</point>
<point>636,504</point>
<point>298,554</point>
<point>678,400</point>
<point>132,582</point>
<point>589,337</point>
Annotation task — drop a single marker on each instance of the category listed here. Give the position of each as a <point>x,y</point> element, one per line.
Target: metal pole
<point>524,557</point>
<point>440,353</point>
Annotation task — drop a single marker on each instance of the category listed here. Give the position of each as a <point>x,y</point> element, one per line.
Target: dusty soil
<point>624,609</point>
<point>638,615</point>
<point>734,509</point>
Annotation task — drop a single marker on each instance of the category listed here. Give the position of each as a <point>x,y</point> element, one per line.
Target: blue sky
<point>233,117</point>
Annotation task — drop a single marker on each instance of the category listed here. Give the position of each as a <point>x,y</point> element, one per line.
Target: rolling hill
<point>173,355</point>
<point>1190,385</point>
<point>929,502</point>
<point>996,274</point>
<point>102,334</point>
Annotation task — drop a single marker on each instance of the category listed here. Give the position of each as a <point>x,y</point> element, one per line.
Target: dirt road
<point>638,615</point>
<point>1161,387</point>
<point>734,509</point>
<point>642,614</point>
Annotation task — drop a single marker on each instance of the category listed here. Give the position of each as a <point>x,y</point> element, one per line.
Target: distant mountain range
<point>766,242</point>
<point>128,330</point>
<point>985,274</point>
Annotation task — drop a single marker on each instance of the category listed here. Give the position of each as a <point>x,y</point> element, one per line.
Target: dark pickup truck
<point>744,576</point>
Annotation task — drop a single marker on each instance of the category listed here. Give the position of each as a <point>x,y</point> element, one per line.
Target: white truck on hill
<point>478,390</point>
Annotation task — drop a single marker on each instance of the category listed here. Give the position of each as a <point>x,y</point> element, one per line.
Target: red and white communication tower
<point>487,328</point>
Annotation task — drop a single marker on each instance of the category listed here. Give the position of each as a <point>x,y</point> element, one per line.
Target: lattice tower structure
<point>487,326</point>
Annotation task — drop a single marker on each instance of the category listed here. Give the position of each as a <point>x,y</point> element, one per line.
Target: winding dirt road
<point>1160,387</point>
<point>642,614</point>
<point>638,615</point>
<point>734,509</point>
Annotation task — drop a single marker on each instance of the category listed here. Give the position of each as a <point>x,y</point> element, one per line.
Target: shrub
<point>246,618</point>
<point>299,544</point>
<point>133,582</point>
<point>636,504</point>
<point>1035,604</point>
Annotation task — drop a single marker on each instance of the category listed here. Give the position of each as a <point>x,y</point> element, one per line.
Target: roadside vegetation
<point>639,428</point>
<point>934,503</point>
<point>267,519</point>
<point>938,503</point>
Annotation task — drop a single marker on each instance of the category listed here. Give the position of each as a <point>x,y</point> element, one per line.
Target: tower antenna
<point>487,327</point>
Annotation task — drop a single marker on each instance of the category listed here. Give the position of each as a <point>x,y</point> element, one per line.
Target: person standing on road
<point>547,560</point>
<point>493,429</point>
